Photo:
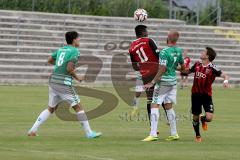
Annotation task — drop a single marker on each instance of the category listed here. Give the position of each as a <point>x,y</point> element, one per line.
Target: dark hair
<point>70,36</point>
<point>211,54</point>
<point>140,30</point>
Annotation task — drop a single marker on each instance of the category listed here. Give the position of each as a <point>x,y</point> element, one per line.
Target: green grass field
<point>60,140</point>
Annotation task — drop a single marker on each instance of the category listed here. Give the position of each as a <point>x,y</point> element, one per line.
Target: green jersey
<point>170,57</point>
<point>62,56</point>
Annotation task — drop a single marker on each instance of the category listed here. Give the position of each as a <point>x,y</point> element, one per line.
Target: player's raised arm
<point>226,79</point>
<point>219,73</point>
<point>51,60</point>
<point>185,70</point>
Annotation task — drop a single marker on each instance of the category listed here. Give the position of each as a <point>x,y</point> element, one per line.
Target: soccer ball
<point>140,15</point>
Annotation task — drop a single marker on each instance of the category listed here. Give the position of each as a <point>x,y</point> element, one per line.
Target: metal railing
<point>197,18</point>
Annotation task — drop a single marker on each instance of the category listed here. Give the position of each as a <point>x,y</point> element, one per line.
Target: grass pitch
<point>60,140</point>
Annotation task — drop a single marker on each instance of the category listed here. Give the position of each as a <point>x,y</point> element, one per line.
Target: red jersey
<point>204,77</point>
<point>187,62</point>
<point>145,53</point>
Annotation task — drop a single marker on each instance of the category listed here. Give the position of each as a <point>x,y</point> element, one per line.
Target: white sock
<point>172,121</point>
<point>41,118</point>
<point>82,117</point>
<point>136,101</point>
<point>154,121</point>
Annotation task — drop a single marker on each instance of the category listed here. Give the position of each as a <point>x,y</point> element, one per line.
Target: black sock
<point>196,127</point>
<point>149,112</point>
<point>204,119</point>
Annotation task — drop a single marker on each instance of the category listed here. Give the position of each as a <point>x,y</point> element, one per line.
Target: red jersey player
<point>184,76</point>
<point>204,75</point>
<point>144,57</point>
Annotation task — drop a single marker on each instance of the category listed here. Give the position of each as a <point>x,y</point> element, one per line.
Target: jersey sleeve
<point>154,48</point>
<point>181,60</point>
<point>216,71</point>
<point>54,55</point>
<point>192,69</point>
<point>74,56</point>
<point>163,58</point>
<point>132,58</point>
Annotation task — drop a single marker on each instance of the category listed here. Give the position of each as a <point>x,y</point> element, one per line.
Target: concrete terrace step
<point>96,40</point>
<point>38,49</point>
<point>69,25</point>
<point>26,56</point>
<point>53,16</point>
<point>107,24</point>
<point>232,71</point>
<point>60,23</point>
<point>107,64</point>
<point>54,33</point>
<point>100,45</point>
<point>103,31</point>
<point>44,56</point>
<point>28,38</point>
<point>230,24</point>
<point>104,56</point>
<point>46,69</point>
<point>48,45</point>
<point>34,77</point>
<point>67,22</point>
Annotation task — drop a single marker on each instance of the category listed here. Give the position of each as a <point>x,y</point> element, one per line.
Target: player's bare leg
<point>44,115</point>
<point>82,117</point>
<point>135,104</point>
<point>172,121</point>
<point>186,81</point>
<point>204,119</point>
<point>181,82</point>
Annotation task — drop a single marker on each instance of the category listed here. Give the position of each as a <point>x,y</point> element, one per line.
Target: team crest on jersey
<point>207,71</point>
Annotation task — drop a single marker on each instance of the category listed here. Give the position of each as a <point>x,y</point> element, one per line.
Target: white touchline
<point>47,152</point>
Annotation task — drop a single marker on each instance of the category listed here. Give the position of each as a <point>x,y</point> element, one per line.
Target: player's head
<point>72,38</point>
<point>208,54</point>
<point>173,37</point>
<point>141,31</point>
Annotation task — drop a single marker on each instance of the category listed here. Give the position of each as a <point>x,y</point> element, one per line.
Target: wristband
<point>225,81</point>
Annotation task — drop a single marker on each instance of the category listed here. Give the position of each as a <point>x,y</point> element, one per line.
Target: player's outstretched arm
<point>226,79</point>
<point>161,70</point>
<point>183,69</point>
<point>51,60</point>
<point>71,70</point>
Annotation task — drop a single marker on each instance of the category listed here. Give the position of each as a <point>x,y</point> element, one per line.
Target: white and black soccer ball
<point>140,15</point>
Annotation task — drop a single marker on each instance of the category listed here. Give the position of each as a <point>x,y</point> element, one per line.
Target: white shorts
<point>139,86</point>
<point>59,93</point>
<point>164,94</point>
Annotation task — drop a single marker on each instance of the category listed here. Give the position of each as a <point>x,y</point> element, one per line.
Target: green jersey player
<point>165,90</point>
<point>60,85</point>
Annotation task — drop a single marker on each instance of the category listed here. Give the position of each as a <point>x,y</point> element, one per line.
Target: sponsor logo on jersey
<point>200,75</point>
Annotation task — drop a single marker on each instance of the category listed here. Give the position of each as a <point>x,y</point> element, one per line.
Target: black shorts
<point>184,74</point>
<point>201,100</point>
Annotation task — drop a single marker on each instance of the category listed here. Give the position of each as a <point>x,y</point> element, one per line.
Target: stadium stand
<point>28,38</point>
